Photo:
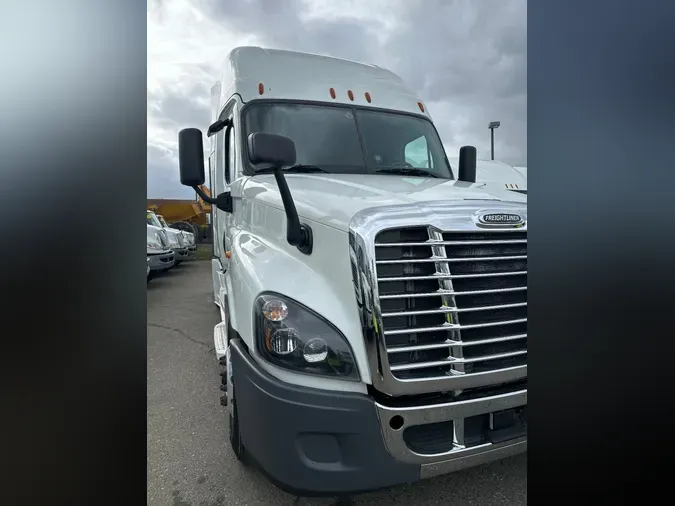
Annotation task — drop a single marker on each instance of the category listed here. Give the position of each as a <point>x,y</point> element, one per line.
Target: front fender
<point>322,281</point>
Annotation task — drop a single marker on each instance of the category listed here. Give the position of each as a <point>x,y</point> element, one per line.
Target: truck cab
<point>160,256</point>
<point>188,239</point>
<point>372,297</point>
<point>174,237</point>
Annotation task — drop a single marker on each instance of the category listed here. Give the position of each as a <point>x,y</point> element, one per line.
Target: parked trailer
<point>373,310</point>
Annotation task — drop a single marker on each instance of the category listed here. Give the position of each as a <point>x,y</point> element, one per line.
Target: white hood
<point>492,171</point>
<point>333,199</point>
<point>154,234</point>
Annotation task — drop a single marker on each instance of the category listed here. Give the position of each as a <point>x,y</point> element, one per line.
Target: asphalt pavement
<point>189,458</point>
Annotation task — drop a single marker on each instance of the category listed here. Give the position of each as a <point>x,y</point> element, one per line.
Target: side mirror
<point>277,151</point>
<point>467,164</point>
<point>271,150</point>
<point>191,157</point>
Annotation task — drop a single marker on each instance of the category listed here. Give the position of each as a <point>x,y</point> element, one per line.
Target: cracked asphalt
<point>189,458</point>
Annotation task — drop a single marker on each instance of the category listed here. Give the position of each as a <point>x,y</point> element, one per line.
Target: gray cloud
<point>173,109</point>
<point>467,59</point>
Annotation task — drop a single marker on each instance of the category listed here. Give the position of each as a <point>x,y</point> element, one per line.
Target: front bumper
<point>183,254</point>
<point>315,442</point>
<point>161,261</point>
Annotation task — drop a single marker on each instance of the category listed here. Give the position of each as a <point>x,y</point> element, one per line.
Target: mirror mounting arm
<point>218,126</point>
<point>297,234</point>
<point>222,201</point>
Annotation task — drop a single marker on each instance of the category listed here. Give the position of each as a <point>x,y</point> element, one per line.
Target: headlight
<point>154,245</point>
<point>294,337</point>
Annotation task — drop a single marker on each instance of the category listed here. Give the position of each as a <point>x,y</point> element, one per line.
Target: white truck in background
<point>160,256</point>
<point>373,311</point>
<point>522,170</point>
<point>188,243</point>
<point>174,237</point>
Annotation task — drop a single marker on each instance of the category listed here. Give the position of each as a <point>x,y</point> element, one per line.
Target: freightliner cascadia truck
<point>372,297</point>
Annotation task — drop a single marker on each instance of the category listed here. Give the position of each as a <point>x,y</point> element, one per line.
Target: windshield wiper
<point>298,168</point>
<point>407,171</point>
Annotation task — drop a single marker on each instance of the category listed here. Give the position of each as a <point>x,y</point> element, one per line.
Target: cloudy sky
<point>466,59</point>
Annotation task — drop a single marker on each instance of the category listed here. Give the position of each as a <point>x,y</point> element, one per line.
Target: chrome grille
<point>452,303</point>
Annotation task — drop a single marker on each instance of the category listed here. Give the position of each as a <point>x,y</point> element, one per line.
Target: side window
<point>220,161</point>
<point>230,156</point>
<point>417,153</point>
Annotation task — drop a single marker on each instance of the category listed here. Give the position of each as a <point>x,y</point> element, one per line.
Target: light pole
<point>492,126</point>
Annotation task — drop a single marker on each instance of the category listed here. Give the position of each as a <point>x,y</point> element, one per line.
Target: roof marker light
<point>350,94</point>
<point>421,106</point>
<point>368,97</point>
<point>332,93</point>
<point>261,88</point>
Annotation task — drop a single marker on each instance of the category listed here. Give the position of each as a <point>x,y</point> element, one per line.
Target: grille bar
<point>453,360</point>
<point>449,243</point>
<point>439,292</point>
<point>454,276</point>
<point>449,342</point>
<point>452,326</point>
<point>444,310</point>
<point>440,259</point>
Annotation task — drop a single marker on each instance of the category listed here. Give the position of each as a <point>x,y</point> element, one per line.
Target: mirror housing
<point>191,157</point>
<point>467,164</point>
<point>271,150</point>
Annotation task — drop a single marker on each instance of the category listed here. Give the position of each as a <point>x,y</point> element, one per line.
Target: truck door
<point>225,174</point>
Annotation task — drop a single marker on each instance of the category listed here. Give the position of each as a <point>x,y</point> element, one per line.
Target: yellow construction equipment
<point>188,215</point>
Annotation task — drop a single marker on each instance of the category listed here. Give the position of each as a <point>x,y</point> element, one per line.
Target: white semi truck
<point>188,245</point>
<point>160,255</point>
<point>373,310</point>
<point>174,237</point>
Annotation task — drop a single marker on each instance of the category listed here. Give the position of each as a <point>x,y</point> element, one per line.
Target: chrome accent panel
<point>474,458</point>
<point>456,412</point>
<point>439,218</point>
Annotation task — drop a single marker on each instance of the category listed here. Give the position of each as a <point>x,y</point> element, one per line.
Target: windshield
<point>352,140</point>
<point>152,220</point>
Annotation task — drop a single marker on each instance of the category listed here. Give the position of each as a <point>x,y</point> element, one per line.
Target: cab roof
<point>281,74</point>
